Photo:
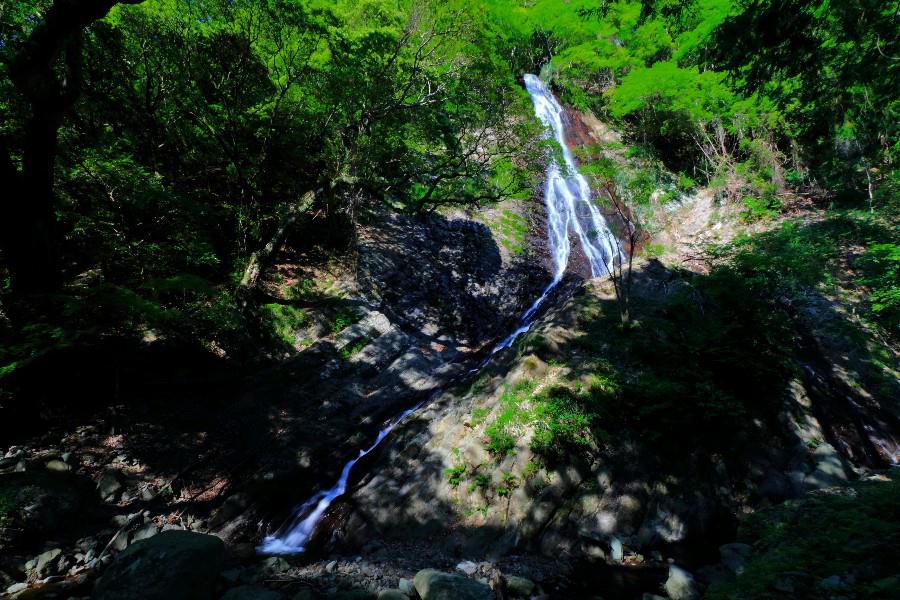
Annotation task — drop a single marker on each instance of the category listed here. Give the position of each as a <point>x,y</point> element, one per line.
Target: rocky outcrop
<point>441,480</point>
<point>445,277</point>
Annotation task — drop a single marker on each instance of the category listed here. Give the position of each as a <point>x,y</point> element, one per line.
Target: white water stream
<point>567,198</point>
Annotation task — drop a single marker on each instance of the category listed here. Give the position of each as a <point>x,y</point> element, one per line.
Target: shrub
<point>342,320</point>
<point>881,268</point>
<point>562,422</point>
<point>455,474</point>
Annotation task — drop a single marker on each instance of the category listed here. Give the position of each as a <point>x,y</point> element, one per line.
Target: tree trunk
<point>29,234</point>
<point>261,259</point>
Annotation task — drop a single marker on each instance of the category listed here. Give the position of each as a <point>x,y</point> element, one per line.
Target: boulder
<point>276,564</point>
<point>735,556</point>
<point>519,586</point>
<point>233,506</point>
<point>144,532</point>
<point>47,563</point>
<point>16,588</point>
<point>392,595</point>
<point>110,485</point>
<point>406,586</point>
<point>252,592</point>
<point>13,464</point>
<point>436,585</point>
<point>39,505</point>
<point>172,565</point>
<point>681,585</point>
<point>58,465</point>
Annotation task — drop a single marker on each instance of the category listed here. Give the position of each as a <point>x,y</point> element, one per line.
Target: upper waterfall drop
<point>567,196</point>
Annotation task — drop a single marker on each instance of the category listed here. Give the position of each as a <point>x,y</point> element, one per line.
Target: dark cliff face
<point>445,277</point>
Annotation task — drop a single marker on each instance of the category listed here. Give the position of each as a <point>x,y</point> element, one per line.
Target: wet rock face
<point>173,565</point>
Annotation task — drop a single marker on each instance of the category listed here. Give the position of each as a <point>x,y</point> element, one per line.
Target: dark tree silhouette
<point>46,71</point>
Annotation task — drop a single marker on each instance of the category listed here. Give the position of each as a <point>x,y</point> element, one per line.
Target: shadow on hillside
<point>445,277</point>
<point>725,400</point>
<point>201,429</point>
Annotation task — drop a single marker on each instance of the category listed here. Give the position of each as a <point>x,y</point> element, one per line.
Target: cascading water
<point>297,532</point>
<point>567,198</point>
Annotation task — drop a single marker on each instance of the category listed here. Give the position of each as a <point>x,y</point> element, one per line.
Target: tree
<point>832,69</point>
<point>619,268</point>
<point>50,89</point>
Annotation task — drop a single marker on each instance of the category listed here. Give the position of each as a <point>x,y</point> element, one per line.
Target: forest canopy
<point>155,154</point>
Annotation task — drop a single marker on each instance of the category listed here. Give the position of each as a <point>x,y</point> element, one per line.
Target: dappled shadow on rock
<point>180,440</point>
<point>443,277</point>
<point>713,404</point>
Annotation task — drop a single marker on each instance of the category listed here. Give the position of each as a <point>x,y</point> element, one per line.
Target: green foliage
<point>479,480</point>
<point>708,83</point>
<point>530,470</point>
<point>881,273</point>
<point>479,415</point>
<point>455,474</point>
<point>343,320</point>
<point>654,250</point>
<point>200,125</point>
<point>304,288</point>
<point>562,423</point>
<point>761,208</point>
<point>850,533</point>
<point>829,70</point>
<point>713,356</point>
<point>500,440</point>
<point>354,348</point>
<point>683,95</point>
<point>504,430</point>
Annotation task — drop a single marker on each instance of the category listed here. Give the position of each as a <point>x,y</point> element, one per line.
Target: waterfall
<point>294,535</point>
<point>567,198</point>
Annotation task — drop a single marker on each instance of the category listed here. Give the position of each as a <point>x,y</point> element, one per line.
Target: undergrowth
<point>844,542</point>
